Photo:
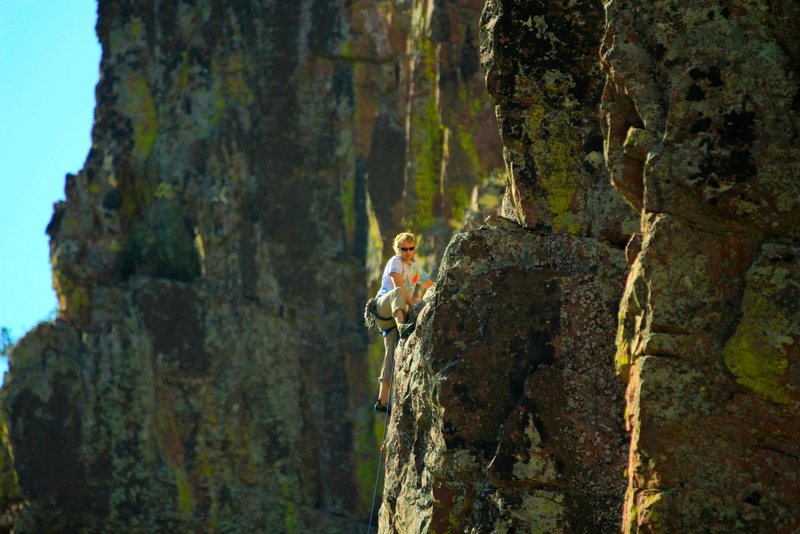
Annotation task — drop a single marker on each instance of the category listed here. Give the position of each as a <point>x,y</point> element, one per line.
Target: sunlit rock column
<point>701,123</point>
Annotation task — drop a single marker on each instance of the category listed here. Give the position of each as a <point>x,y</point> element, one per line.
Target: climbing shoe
<point>406,329</point>
<point>381,407</point>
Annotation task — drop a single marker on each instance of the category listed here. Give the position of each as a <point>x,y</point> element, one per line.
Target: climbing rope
<point>383,438</point>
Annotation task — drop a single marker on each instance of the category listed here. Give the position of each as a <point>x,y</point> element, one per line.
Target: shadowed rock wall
<point>434,140</point>
<point>208,370</point>
<point>701,122</point>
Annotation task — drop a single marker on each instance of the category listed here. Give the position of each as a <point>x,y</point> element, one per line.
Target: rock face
<point>252,160</point>
<point>208,371</point>
<point>508,415</point>
<point>701,118</point>
<point>495,407</point>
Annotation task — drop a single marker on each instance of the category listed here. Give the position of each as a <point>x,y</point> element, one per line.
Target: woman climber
<point>399,285</point>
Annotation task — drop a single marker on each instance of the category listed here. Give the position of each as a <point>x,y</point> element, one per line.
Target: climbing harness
<point>383,438</point>
<point>371,315</point>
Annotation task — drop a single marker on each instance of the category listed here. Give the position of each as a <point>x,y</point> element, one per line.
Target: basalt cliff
<point>615,348</point>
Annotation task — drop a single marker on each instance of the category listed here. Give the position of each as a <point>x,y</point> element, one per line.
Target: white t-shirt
<point>412,274</point>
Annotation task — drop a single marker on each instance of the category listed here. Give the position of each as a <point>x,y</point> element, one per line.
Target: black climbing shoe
<point>406,329</point>
<point>381,407</point>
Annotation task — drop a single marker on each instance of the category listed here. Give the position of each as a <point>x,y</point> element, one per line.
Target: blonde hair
<point>404,236</point>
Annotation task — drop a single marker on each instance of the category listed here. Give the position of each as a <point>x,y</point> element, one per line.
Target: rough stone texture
<point>252,160</point>
<point>207,372</point>
<point>508,417</point>
<point>194,381</point>
<point>544,78</point>
<point>701,124</point>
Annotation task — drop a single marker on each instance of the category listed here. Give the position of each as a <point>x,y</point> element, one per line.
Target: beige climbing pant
<point>386,305</point>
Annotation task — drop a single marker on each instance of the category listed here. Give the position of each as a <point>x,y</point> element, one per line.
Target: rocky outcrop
<point>543,75</point>
<point>193,380</point>
<point>208,371</point>
<point>508,415</point>
<point>701,125</point>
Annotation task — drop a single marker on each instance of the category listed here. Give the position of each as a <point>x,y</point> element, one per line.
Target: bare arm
<point>419,290</point>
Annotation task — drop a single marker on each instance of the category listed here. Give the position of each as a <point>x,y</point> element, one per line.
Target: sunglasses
<point>407,249</point>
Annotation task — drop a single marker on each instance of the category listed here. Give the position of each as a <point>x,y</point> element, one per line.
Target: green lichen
<point>374,244</point>
<point>72,298</point>
<point>231,86</point>
<point>629,319</point>
<point>426,146</point>
<point>220,105</point>
<point>125,36</point>
<point>474,105</point>
<point>633,516</point>
<point>348,195</point>
<point>289,510</point>
<point>557,151</point>
<point>468,146</point>
<point>369,429</point>
<point>542,510</point>
<point>756,353</point>
<point>249,472</point>
<point>9,485</point>
<point>183,74</point>
<point>236,83</point>
<point>622,358</point>
<point>367,444</point>
<point>165,190</point>
<point>136,27</point>
<point>141,107</point>
<point>647,512</point>
<point>459,203</point>
<point>459,196</point>
<point>185,492</point>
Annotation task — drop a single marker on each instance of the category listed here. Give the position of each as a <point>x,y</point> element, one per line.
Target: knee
<point>398,299</point>
<point>396,293</point>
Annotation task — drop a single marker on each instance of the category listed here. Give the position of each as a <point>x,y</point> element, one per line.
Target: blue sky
<point>49,64</point>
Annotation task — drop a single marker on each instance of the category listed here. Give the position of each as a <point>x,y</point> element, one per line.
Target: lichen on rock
<point>698,139</point>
